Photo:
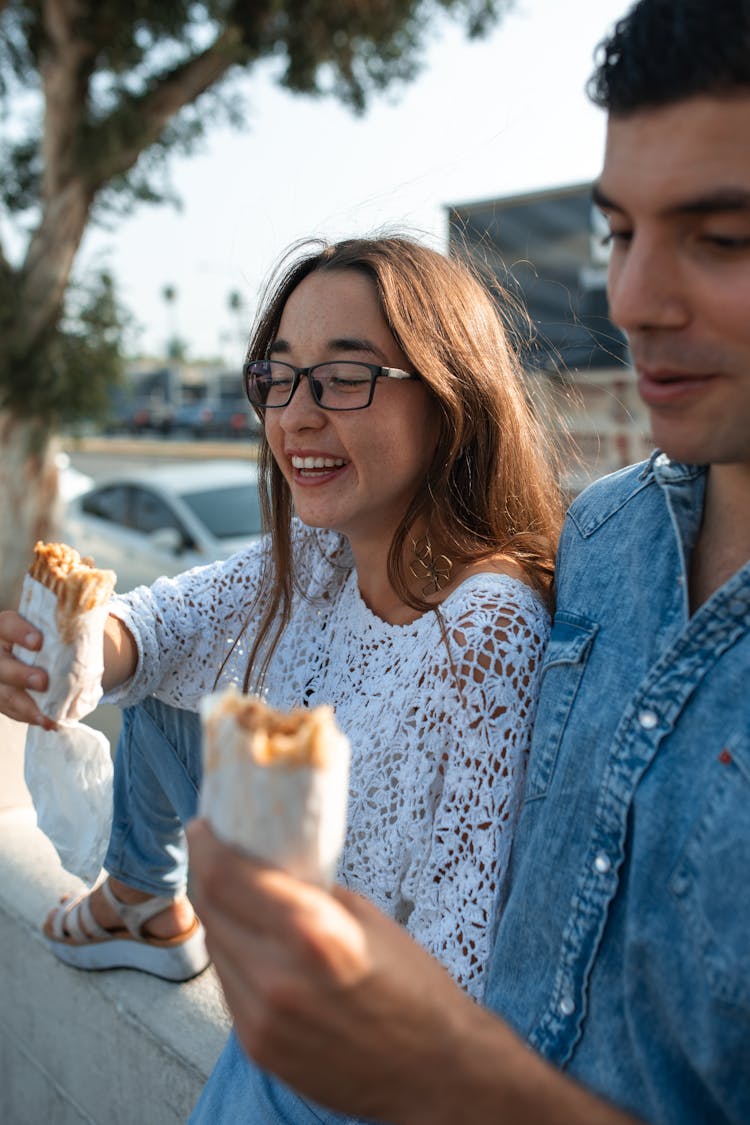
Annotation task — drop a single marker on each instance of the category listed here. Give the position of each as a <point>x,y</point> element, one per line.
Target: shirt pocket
<point>562,669</point>
<point>711,880</point>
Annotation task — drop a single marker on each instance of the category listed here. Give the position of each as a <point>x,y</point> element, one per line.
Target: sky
<point>483,119</point>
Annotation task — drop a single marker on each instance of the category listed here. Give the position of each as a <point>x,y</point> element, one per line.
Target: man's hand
<point>340,1003</point>
<point>326,992</point>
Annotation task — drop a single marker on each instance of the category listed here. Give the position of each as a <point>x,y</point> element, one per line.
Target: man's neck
<point>723,544</point>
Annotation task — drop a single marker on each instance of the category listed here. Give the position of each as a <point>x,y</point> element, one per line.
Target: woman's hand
<point>120,657</point>
<point>17,678</point>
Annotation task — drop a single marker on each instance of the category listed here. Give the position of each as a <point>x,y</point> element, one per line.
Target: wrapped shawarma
<point>69,770</point>
<point>275,783</point>
<point>66,596</point>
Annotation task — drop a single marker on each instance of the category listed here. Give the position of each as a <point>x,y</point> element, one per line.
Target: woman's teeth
<point>317,462</point>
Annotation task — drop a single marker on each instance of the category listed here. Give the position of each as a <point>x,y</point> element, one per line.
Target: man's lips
<point>662,386</point>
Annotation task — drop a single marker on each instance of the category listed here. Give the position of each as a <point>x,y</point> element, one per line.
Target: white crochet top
<point>437,769</point>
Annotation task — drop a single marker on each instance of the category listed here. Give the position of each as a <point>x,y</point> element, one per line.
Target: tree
<point>102,92</point>
<point>238,309</point>
<point>176,348</point>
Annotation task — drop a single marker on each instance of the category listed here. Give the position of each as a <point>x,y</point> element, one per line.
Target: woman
<point>410,589</point>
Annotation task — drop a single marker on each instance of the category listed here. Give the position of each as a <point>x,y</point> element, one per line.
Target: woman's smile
<point>352,471</point>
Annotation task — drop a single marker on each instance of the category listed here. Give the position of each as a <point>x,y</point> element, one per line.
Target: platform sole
<point>179,962</point>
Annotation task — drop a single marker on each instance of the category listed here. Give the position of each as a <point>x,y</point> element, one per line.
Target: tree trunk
<point>28,498</point>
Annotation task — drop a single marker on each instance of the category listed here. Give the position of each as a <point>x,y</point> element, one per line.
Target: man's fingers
<point>265,898</point>
<point>318,934</point>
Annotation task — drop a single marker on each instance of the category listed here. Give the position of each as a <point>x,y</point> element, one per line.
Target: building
<point>545,248</point>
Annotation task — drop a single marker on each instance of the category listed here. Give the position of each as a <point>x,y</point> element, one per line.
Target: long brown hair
<point>493,485</point>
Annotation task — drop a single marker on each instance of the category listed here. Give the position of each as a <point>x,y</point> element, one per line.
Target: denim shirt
<point>623,953</point>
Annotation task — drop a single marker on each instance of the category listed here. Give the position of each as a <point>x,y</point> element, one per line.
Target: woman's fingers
<point>18,678</point>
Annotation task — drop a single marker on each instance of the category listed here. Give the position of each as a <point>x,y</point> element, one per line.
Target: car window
<point>150,513</point>
<point>109,503</point>
<point>228,511</point>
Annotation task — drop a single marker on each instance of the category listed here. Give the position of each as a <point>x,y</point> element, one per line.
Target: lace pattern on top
<point>438,758</point>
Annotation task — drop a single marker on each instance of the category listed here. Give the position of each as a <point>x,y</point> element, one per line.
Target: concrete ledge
<point>111,1048</point>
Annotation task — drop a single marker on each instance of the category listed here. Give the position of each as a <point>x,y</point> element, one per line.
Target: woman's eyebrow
<point>353,344</point>
<point>280,346</point>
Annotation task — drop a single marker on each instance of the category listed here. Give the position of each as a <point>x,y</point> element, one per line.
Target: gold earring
<point>436,570</point>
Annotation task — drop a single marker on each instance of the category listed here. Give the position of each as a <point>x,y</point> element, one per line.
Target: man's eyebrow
<point>599,199</point>
<point>724,199</point>
<point>712,203</point>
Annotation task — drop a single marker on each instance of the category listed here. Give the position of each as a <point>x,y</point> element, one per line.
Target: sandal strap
<point>134,916</point>
<point>60,915</point>
<point>90,927</point>
<point>74,919</point>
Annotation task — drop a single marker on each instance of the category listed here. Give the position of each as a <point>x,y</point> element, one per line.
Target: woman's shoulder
<point>498,587</point>
<point>496,610</point>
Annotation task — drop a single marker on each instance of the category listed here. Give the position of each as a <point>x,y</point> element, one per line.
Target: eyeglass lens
<point>339,385</point>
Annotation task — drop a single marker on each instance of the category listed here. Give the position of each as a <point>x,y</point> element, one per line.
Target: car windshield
<point>229,512</point>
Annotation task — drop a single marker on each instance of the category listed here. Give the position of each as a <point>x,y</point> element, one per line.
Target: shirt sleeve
<point>184,627</point>
<point>476,723</point>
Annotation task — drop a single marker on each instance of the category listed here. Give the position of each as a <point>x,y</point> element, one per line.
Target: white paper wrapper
<point>293,816</point>
<point>68,771</point>
<point>75,669</point>
<point>69,775</point>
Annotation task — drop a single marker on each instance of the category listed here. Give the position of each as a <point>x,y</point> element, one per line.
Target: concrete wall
<point>111,1048</point>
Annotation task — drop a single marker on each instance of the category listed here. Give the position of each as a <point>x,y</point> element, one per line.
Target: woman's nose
<point>302,411</point>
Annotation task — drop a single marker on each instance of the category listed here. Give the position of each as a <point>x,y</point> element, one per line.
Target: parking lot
<point>102,458</point>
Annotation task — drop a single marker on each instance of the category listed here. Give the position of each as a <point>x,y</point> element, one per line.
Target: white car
<point>166,519</point>
<point>70,482</point>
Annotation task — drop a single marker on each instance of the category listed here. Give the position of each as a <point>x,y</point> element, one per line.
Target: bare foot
<point>175,919</point>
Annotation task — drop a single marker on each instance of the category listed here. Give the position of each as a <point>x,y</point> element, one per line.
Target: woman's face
<point>354,472</point>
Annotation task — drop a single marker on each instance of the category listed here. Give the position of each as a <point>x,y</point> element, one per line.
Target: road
<point>100,457</point>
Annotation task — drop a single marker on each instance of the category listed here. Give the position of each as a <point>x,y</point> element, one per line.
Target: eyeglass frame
<point>377,371</point>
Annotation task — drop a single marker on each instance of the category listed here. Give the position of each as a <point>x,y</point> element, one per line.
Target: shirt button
<point>680,885</point>
<point>737,606</point>
<point>602,863</point>
<point>566,1005</point>
<point>648,719</point>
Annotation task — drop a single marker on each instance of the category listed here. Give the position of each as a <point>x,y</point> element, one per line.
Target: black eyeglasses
<point>339,385</point>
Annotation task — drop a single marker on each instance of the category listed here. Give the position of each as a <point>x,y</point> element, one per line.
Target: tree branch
<point>65,70</point>
<point>131,129</point>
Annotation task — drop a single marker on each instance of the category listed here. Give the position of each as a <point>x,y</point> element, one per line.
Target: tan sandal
<point>75,937</point>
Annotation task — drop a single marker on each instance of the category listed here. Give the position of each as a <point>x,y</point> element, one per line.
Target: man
<point>620,982</point>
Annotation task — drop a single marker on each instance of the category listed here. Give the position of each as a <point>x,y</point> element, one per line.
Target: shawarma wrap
<point>275,783</point>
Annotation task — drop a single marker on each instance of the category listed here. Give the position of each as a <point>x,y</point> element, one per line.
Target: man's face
<point>675,190</point>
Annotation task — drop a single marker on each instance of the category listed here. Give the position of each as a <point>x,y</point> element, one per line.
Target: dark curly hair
<point>664,51</point>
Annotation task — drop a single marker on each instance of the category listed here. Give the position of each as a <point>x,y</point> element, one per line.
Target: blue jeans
<point>157,775</point>
<point>239,1093</point>
<point>158,770</point>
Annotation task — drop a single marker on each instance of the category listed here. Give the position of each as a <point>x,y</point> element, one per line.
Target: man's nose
<point>645,286</point>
